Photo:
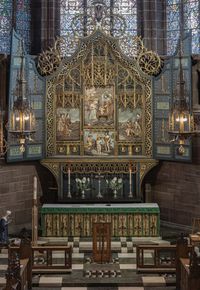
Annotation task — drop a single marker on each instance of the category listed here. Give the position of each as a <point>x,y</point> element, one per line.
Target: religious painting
<point>67,124</point>
<point>99,107</point>
<point>130,124</point>
<point>99,143</point>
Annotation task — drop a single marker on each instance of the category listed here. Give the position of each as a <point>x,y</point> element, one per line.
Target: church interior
<point>99,144</point>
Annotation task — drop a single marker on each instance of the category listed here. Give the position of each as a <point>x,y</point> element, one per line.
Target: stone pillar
<point>48,23</point>
<point>152,24</point>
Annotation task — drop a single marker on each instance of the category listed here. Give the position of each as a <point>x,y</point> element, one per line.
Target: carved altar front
<point>131,220</point>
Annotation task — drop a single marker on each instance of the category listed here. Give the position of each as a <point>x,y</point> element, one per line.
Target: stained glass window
<point>68,9</point>
<point>127,9</point>
<point>191,17</point>
<point>22,19</point>
<point>5,25</point>
<point>71,8</point>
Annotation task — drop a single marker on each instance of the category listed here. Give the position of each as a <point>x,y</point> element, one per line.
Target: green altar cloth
<point>76,219</point>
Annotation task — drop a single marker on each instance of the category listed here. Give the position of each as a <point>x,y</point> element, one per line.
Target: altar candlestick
<point>34,213</point>
<point>69,182</point>
<point>35,188</point>
<point>130,182</point>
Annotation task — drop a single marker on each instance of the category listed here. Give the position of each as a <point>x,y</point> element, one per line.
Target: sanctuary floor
<point>81,278</point>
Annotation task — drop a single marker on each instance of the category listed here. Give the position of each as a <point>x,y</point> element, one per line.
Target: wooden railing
<point>43,260</point>
<point>159,258</point>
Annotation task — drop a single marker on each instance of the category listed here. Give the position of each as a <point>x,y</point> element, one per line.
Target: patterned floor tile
<point>130,288</point>
<point>153,281</point>
<point>2,281</point>
<point>77,266</point>
<point>74,288</point>
<point>129,244</point>
<point>49,281</point>
<point>76,250</point>
<point>4,251</point>
<point>127,255</point>
<point>77,255</point>
<point>102,288</point>
<point>127,266</point>
<point>3,256</point>
<point>124,250</point>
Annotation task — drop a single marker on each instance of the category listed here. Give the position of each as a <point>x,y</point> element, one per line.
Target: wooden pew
<point>190,277</point>
<point>17,274</point>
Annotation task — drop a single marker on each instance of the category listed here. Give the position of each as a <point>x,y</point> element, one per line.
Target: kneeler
<point>101,242</point>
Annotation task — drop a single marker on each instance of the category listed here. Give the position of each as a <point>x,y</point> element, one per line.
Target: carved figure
<point>99,145</point>
<point>107,141</point>
<point>93,112</point>
<point>129,129</point>
<point>137,128</point>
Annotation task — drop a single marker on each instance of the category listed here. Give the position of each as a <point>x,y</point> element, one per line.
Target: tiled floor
<point>123,251</point>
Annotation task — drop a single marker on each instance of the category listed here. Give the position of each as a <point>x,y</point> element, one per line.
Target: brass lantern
<point>181,120</point>
<point>22,117</point>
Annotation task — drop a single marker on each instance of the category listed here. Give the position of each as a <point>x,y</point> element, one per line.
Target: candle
<point>69,175</point>
<point>130,174</point>
<point>130,181</point>
<point>69,182</point>
<point>35,187</point>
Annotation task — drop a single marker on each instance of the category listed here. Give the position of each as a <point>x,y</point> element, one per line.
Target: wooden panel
<point>101,242</point>
<point>76,221</point>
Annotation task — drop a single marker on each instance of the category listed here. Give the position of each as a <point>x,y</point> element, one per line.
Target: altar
<point>127,220</point>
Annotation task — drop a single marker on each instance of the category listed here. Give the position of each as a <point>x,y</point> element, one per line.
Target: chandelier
<point>22,117</point>
<point>181,120</point>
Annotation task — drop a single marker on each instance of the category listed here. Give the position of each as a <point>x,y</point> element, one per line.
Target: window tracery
<point>71,8</point>
<point>20,20</point>
<point>191,16</point>
<point>5,25</point>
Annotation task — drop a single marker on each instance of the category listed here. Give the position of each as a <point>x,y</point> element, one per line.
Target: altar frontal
<point>134,220</point>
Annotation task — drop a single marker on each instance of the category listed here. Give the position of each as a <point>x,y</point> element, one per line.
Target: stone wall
<point>16,193</point>
<point>175,186</point>
<point>177,191</point>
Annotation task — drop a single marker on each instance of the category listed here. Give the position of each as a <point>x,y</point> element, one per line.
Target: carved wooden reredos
<point>98,93</point>
<point>99,107</point>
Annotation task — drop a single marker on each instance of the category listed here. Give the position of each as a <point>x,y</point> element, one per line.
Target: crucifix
<point>99,177</point>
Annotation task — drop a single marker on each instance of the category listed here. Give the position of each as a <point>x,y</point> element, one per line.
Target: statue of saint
<point>4,221</point>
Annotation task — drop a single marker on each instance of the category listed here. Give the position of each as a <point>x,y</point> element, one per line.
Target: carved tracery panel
<point>99,103</point>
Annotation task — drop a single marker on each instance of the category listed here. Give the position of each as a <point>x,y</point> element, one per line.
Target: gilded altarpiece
<point>99,123</point>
